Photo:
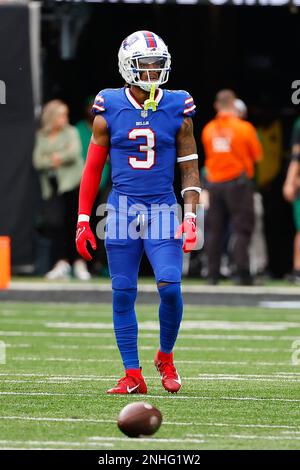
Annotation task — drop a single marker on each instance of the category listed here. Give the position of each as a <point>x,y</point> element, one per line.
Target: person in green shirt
<point>291,192</point>
<point>84,128</point>
<point>58,161</point>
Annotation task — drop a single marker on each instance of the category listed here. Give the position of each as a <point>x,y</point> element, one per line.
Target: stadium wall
<point>17,128</point>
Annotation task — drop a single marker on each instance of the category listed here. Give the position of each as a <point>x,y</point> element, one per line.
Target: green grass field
<point>240,388</point>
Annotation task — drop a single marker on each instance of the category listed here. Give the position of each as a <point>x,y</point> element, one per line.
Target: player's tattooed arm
<point>100,132</point>
<point>189,170</point>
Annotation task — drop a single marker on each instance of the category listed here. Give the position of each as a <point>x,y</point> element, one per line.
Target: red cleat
<point>131,383</point>
<point>169,376</point>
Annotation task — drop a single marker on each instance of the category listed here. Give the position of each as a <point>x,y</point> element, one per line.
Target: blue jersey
<point>143,143</point>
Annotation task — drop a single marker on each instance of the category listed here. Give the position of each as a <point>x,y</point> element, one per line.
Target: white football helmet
<point>140,52</point>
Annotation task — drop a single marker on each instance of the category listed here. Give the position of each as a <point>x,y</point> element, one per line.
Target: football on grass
<point>139,419</point>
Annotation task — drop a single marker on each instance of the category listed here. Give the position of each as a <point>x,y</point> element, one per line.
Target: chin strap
<point>151,103</point>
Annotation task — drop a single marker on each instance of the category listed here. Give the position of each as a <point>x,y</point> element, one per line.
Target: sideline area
<point>195,293</point>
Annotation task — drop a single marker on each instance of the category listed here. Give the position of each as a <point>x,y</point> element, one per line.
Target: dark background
<point>17,128</point>
<point>254,50</point>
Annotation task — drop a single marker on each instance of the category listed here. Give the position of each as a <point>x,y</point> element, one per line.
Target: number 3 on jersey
<point>148,149</point>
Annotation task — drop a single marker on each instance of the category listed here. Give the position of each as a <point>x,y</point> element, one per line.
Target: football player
<point>145,130</point>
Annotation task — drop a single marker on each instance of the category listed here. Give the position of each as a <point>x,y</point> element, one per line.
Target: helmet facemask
<point>143,66</point>
<point>148,71</point>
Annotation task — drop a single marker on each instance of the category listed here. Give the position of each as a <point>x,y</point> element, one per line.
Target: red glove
<point>83,235</point>
<point>188,227</point>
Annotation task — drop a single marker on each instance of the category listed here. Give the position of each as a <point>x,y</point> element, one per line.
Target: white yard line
<point>49,394</point>
<point>189,288</point>
<point>203,378</point>
<point>167,423</point>
<point>164,397</point>
<point>96,360</point>
<point>241,378</point>
<point>55,376</point>
<point>180,397</point>
<point>112,347</point>
<point>185,325</point>
<point>279,304</point>
<point>66,334</point>
<point>154,325</point>
<point>63,334</point>
<point>244,436</point>
<point>99,440</point>
<point>178,348</point>
<point>66,381</point>
<point>289,373</point>
<point>145,439</point>
<point>239,425</point>
<point>279,375</point>
<point>55,443</point>
<point>63,420</point>
<point>6,447</point>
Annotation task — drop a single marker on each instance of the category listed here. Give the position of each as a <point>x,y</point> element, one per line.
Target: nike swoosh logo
<point>130,390</point>
<point>178,381</point>
<point>79,232</point>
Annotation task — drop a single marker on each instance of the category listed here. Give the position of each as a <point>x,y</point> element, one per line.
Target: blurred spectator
<point>258,249</point>
<point>270,176</point>
<point>258,252</point>
<point>291,192</point>
<point>57,157</point>
<point>231,148</point>
<point>270,134</point>
<point>85,127</point>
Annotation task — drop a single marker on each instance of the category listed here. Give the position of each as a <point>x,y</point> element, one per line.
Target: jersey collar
<point>136,104</point>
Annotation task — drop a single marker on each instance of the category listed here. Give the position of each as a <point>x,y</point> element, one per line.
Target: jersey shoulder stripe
<point>189,106</point>
<point>99,104</point>
<point>185,102</point>
<point>103,99</point>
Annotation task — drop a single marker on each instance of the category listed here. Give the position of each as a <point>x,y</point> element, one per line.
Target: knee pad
<point>124,294</point>
<point>123,300</point>
<point>169,274</point>
<point>171,294</point>
<point>122,282</point>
